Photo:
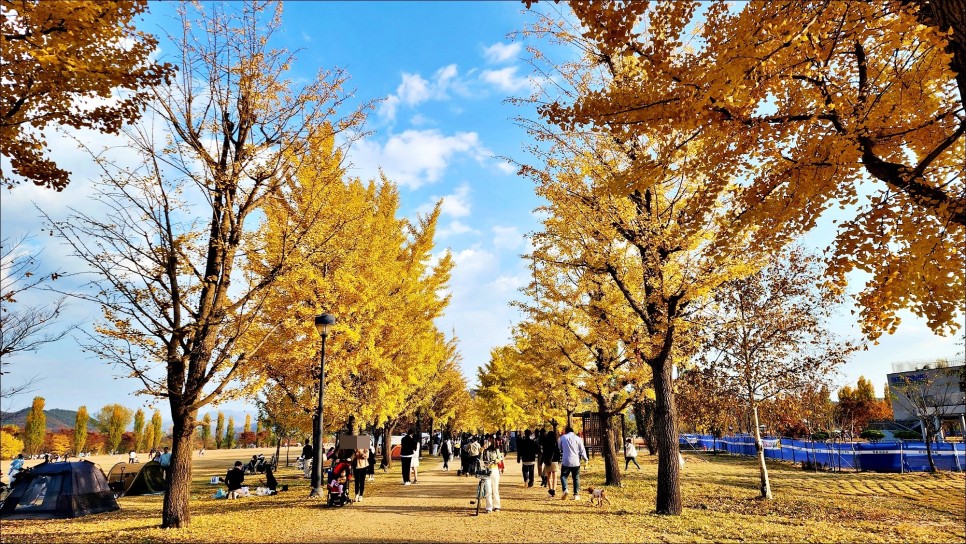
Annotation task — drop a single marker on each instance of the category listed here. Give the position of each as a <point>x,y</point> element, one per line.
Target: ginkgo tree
<point>856,105</point>
<point>583,319</point>
<point>531,379</point>
<point>173,226</point>
<point>376,272</point>
<point>75,64</point>
<point>502,398</point>
<point>648,216</point>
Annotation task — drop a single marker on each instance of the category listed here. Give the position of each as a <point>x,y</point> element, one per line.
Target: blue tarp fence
<point>893,456</point>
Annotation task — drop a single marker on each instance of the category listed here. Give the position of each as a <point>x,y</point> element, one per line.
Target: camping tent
<point>136,478</point>
<point>59,490</point>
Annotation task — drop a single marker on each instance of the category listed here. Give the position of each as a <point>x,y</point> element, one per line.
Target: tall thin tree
<point>80,430</point>
<point>35,427</point>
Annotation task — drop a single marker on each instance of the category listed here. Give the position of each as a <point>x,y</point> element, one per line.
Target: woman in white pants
<point>491,460</point>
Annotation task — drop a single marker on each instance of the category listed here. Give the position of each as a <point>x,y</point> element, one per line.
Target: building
<point>932,390</point>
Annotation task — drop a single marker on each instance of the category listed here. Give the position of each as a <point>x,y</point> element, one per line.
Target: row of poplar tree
<point>111,435</point>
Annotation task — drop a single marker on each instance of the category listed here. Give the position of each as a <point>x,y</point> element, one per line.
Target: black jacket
<point>408,446</point>
<point>234,478</point>
<point>527,450</point>
<point>307,451</point>
<point>549,449</point>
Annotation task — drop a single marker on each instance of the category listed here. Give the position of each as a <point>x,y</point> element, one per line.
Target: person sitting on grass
<point>234,479</point>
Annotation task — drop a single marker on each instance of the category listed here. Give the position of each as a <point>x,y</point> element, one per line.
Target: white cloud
<point>454,205</point>
<point>457,204</point>
<point>506,79</point>
<point>420,120</point>
<point>507,238</point>
<point>414,90</point>
<point>471,263</point>
<point>500,52</point>
<point>506,168</point>
<point>388,107</point>
<point>415,157</point>
<point>455,228</point>
<point>509,284</point>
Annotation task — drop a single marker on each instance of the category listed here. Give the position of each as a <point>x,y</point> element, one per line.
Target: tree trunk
<point>644,418</point>
<point>278,452</point>
<point>666,434</point>
<point>930,434</point>
<point>760,451</point>
<point>351,424</point>
<point>419,430</point>
<point>386,447</point>
<point>175,513</point>
<point>612,469</point>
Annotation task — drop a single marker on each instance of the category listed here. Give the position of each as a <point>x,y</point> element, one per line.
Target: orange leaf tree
<point>819,104</point>
<point>74,64</point>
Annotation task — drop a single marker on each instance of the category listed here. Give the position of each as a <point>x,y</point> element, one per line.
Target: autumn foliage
<point>805,106</point>
<point>69,64</point>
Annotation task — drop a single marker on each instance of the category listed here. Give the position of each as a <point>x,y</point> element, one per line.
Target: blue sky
<point>443,71</point>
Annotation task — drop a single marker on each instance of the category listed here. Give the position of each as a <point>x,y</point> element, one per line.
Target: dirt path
<point>439,508</point>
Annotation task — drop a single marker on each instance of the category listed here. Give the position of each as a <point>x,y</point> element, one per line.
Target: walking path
<point>440,507</point>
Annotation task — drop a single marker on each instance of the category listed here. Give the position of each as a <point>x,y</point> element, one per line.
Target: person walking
<point>491,458</point>
<point>551,458</point>
<point>360,468</point>
<point>630,454</point>
<point>446,449</point>
<point>464,456</point>
<point>541,463</point>
<point>527,450</point>
<point>407,450</point>
<point>307,451</point>
<point>572,452</point>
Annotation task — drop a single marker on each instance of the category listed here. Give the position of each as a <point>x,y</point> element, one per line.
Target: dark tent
<point>59,490</point>
<point>136,479</point>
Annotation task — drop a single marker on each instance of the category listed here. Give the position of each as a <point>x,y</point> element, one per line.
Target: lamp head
<point>323,322</point>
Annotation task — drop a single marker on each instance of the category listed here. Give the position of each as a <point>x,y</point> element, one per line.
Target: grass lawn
<point>719,498</point>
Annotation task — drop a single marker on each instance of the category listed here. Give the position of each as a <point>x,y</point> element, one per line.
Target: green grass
<point>719,493</point>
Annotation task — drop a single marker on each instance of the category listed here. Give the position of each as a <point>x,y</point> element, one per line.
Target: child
<point>337,485</point>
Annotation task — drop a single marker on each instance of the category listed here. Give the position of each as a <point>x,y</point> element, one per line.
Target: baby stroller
<point>256,465</point>
<point>263,464</point>
<point>339,477</point>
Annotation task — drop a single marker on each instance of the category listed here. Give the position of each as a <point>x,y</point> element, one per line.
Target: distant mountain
<point>57,419</point>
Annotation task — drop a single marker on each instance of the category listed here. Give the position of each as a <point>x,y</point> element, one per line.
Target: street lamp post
<point>322,323</point>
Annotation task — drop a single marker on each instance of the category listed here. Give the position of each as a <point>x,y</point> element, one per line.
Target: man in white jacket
<point>572,453</point>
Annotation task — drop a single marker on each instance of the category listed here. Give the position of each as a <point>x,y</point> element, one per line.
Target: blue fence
<point>895,456</point>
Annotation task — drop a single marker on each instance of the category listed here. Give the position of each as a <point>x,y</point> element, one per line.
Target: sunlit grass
<point>719,498</point>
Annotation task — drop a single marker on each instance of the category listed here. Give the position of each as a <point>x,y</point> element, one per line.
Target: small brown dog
<point>598,496</point>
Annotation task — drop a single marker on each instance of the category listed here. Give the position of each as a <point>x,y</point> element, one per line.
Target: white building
<point>929,391</point>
